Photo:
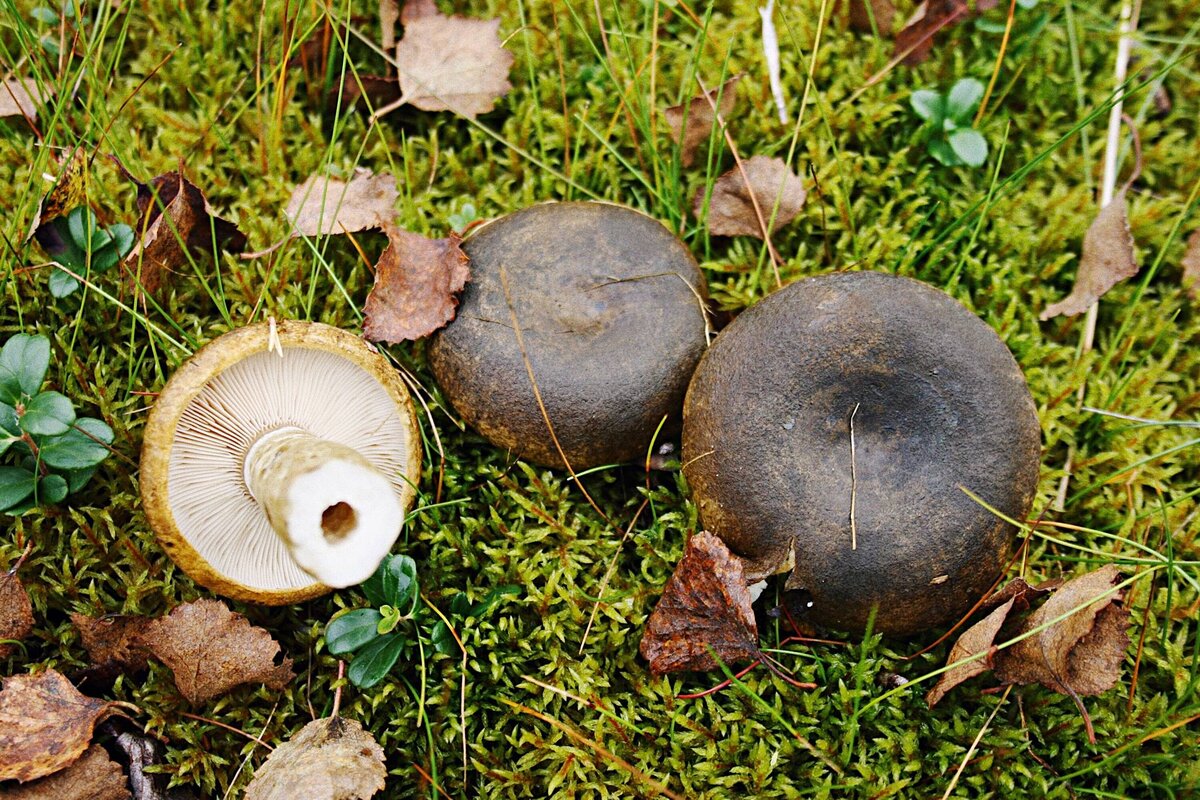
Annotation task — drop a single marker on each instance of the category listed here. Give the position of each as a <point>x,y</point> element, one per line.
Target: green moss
<point>205,86</point>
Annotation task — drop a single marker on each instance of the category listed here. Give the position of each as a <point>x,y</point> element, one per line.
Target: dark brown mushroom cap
<point>609,307</point>
<point>941,405</point>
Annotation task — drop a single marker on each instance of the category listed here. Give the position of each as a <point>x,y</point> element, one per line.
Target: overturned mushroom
<point>609,307</point>
<point>830,432</point>
<point>279,462</point>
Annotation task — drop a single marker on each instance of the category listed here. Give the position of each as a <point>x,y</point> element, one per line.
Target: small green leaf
<point>8,420</point>
<point>373,662</point>
<point>391,617</point>
<point>81,224</point>
<point>1028,5</point>
<point>15,485</point>
<point>460,605</point>
<point>970,146</point>
<point>929,105</point>
<point>494,597</point>
<point>105,258</point>
<point>24,360</point>
<point>122,236</point>
<point>963,98</point>
<point>48,414</point>
<point>351,631</point>
<point>373,586</point>
<point>78,478</point>
<point>62,284</point>
<point>78,448</point>
<point>940,149</point>
<point>443,640</point>
<point>44,15</point>
<point>399,581</point>
<point>52,489</point>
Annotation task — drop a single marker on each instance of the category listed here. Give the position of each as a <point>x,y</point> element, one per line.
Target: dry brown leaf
<point>211,650</point>
<point>45,724</point>
<point>862,12</point>
<point>178,224</point>
<point>378,90</point>
<point>1020,591</point>
<point>453,64</point>
<point>330,759</point>
<point>112,645</point>
<point>16,613</point>
<point>693,122</point>
<point>1081,654</point>
<point>930,17</point>
<point>65,194</point>
<point>731,209</point>
<point>978,638</point>
<point>92,777</point>
<point>416,285</point>
<point>1106,260</point>
<point>704,605</point>
<point>19,97</point>
<point>415,9</point>
<point>322,206</point>
<point>1191,266</point>
<point>389,15</point>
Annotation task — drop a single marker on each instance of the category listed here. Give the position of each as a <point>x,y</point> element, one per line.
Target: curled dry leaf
<point>869,16</point>
<point>322,206</point>
<point>112,645</point>
<point>66,192</point>
<point>1078,655</point>
<point>16,613</point>
<point>92,777</point>
<point>1106,260</point>
<point>211,650</point>
<point>1191,266</point>
<point>976,639</point>
<point>177,223</point>
<point>731,209</point>
<point>416,285</point>
<point>704,605</point>
<point>693,122</point>
<point>45,724</point>
<point>930,17</point>
<point>19,97</point>
<point>452,63</point>
<point>1021,592</point>
<point>330,759</point>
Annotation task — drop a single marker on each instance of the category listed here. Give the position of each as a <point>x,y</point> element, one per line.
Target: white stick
<point>771,54</point>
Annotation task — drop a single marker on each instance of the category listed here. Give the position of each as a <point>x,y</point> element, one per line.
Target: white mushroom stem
<point>336,513</point>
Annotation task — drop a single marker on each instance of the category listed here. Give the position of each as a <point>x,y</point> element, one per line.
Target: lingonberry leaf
<point>24,360</point>
<point>351,631</point>
<point>373,662</point>
<point>48,414</point>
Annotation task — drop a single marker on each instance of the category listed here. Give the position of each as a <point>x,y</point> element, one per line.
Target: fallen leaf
<point>978,638</point>
<point>389,15</point>
<point>16,613</point>
<point>66,192</point>
<point>322,206</point>
<point>211,650</point>
<point>1078,655</point>
<point>330,759</point>
<point>19,97</point>
<point>45,724</point>
<point>930,17</point>
<point>1106,260</point>
<point>704,605</point>
<point>693,122</point>
<point>112,645</point>
<point>1021,592</point>
<point>178,224</point>
<point>378,90</point>
<point>1191,266</point>
<point>452,64</point>
<point>862,13</point>
<point>731,208</point>
<point>415,9</point>
<point>93,777</point>
<point>416,285</point>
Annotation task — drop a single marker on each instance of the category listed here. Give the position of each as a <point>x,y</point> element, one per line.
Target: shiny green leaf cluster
<point>77,243</point>
<point>952,139</point>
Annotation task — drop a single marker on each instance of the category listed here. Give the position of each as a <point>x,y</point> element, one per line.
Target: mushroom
<point>830,432</point>
<point>279,462</point>
<point>608,307</point>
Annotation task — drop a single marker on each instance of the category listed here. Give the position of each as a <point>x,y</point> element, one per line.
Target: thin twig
<point>987,95</point>
<point>249,736</point>
<point>853,482</point>
<point>337,693</point>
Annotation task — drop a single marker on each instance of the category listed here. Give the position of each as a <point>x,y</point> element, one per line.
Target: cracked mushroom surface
<point>610,309</point>
<point>278,464</point>
<point>878,519</point>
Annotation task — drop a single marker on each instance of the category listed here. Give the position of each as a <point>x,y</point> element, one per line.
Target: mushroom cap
<point>610,309</point>
<point>215,407</point>
<point>941,404</point>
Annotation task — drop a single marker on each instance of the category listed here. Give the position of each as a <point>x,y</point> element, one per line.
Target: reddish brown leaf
<point>693,122</point>
<point>329,759</point>
<point>65,193</point>
<point>978,638</point>
<point>1191,266</point>
<point>416,285</point>
<point>1078,655</point>
<point>16,613</point>
<point>45,724</point>
<point>177,224</point>
<point>452,63</point>
<point>378,90</point>
<point>112,645</point>
<point>211,650</point>
<point>92,777</point>
<point>19,97</point>
<point>1106,260</point>
<point>1022,593</point>
<point>731,210</point>
<point>930,17</point>
<point>322,206</point>
<point>705,604</point>
<point>862,13</point>
<point>415,9</point>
